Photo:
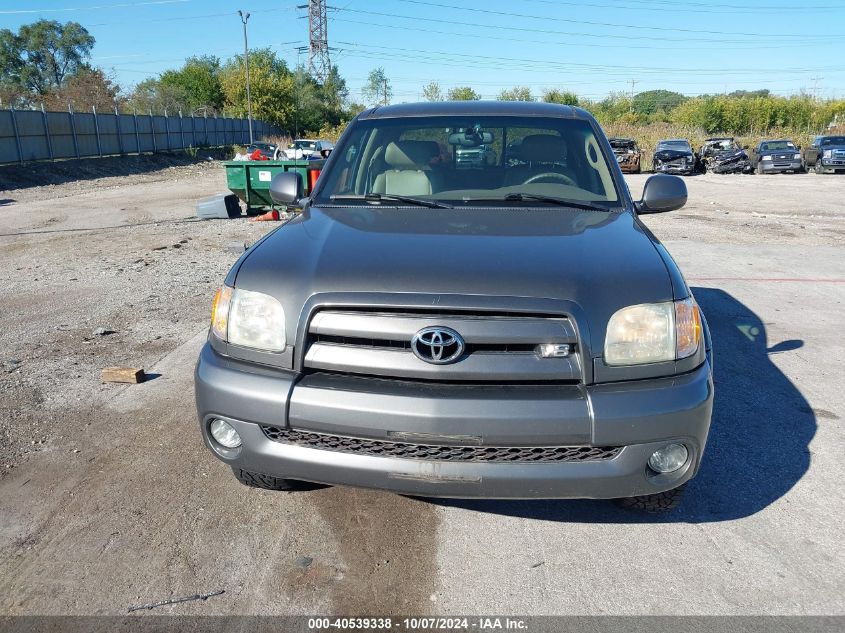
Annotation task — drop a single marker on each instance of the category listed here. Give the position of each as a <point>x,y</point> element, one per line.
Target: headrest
<point>411,154</point>
<point>542,148</point>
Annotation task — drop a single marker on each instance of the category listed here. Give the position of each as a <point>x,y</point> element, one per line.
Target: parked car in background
<point>627,154</point>
<point>674,156</point>
<point>475,157</point>
<point>306,148</point>
<point>510,332</point>
<point>825,153</point>
<point>776,156</point>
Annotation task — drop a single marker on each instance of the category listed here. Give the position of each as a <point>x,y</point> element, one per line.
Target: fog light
<point>225,433</point>
<point>669,458</point>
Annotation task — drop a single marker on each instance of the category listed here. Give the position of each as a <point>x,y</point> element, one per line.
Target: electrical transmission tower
<point>318,49</point>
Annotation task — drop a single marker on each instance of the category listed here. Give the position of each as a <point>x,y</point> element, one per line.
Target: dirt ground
<point>109,499</point>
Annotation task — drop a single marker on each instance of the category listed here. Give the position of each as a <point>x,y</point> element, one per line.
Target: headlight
<point>690,159</point>
<point>828,153</point>
<point>796,157</point>
<point>767,158</point>
<point>653,333</point>
<point>250,319</point>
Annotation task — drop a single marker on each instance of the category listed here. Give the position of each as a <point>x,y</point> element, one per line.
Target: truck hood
<point>599,261</point>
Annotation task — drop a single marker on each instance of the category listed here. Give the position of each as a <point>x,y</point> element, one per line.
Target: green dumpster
<point>250,179</point>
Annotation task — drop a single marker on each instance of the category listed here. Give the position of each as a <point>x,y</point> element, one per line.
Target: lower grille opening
<point>433,452</point>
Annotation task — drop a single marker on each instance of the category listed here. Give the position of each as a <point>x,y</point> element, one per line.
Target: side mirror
<point>286,188</point>
<point>662,193</point>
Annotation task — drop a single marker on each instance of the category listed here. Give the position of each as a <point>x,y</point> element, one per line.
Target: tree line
<point>48,63</point>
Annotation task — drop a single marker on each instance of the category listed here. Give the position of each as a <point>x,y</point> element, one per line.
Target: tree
<point>654,100</point>
<point>43,54</point>
<point>519,93</point>
<point>272,87</point>
<point>432,92</point>
<point>463,93</point>
<point>151,95</point>
<point>563,97</point>
<point>88,87</point>
<point>333,98</point>
<point>199,81</point>
<point>377,89</point>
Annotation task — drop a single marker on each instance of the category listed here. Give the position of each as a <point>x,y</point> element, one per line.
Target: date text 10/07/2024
<point>422,623</point>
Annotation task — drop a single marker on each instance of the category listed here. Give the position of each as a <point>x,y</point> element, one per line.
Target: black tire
<point>266,482</point>
<point>818,167</point>
<point>658,502</point>
<point>759,168</point>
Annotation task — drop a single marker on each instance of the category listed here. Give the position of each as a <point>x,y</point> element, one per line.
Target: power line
<point>536,64</point>
<point>122,5</point>
<point>593,23</point>
<point>534,31</point>
<point>685,7</point>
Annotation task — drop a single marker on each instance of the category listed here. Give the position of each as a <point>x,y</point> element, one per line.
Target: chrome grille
<point>433,452</point>
<point>498,348</point>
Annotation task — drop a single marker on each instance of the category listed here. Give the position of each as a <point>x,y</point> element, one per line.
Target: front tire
<point>759,169</point>
<point>267,482</point>
<point>658,502</point>
<point>818,167</point>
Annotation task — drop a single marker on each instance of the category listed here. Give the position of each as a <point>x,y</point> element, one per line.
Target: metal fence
<point>27,135</point>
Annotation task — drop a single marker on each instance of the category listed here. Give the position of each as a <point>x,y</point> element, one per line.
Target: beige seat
<point>542,153</point>
<point>409,172</point>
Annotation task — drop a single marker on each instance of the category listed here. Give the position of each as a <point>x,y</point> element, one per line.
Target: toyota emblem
<point>437,345</point>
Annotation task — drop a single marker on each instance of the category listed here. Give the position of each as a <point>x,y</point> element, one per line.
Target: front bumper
<point>779,166</point>
<point>683,170</point>
<point>832,164</point>
<point>640,416</point>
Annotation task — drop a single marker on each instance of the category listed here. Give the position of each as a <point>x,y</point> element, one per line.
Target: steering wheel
<point>554,176</point>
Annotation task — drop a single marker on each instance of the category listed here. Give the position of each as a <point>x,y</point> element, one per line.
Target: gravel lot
<point>108,498</point>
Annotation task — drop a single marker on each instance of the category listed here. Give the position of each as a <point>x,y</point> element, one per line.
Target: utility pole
<point>815,89</point>
<point>245,19</point>
<point>384,90</point>
<point>299,51</point>
<point>634,82</point>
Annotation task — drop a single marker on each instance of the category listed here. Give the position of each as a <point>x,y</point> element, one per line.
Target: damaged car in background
<point>776,156</point>
<point>674,156</point>
<point>723,156</point>
<point>627,154</point>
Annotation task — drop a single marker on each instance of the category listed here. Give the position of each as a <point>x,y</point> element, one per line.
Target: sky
<point>591,47</point>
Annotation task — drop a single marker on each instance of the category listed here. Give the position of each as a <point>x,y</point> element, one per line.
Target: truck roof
<point>479,108</point>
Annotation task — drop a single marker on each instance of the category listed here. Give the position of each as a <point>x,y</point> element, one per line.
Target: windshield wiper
<point>382,197</point>
<point>564,202</point>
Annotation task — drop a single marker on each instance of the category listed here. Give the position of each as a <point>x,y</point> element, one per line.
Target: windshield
<point>469,160</point>
<point>674,144</point>
<point>833,140</point>
<point>775,145</point>
<point>304,145</point>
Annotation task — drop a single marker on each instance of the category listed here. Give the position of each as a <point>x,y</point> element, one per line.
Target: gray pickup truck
<point>510,331</point>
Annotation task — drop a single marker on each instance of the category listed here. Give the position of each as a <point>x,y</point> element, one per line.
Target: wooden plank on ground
<point>123,374</point>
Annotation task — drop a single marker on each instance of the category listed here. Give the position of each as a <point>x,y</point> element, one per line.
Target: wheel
<point>267,482</point>
<point>658,502</point>
<point>819,168</point>
<point>759,168</point>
